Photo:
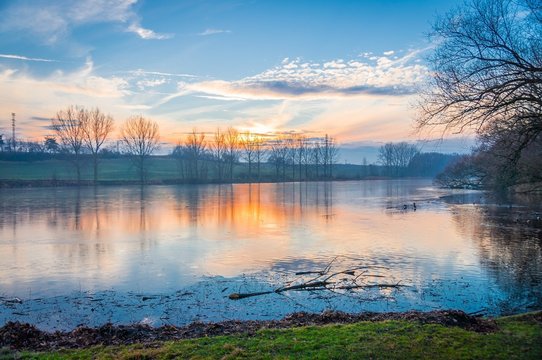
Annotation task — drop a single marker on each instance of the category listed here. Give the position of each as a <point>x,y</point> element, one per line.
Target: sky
<point>351,69</point>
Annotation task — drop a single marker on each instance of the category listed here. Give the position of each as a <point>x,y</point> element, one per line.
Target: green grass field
<point>160,168</point>
<point>109,170</point>
<point>518,337</point>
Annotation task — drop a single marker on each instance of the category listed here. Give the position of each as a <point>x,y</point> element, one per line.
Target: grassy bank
<point>517,337</point>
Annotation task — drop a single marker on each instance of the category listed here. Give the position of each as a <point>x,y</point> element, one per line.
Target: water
<point>173,254</point>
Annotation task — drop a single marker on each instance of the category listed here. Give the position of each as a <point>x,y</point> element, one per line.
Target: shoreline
<point>25,336</point>
<point>40,183</point>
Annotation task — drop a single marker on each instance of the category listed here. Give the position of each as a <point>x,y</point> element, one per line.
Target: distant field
<point>109,170</point>
<point>159,169</point>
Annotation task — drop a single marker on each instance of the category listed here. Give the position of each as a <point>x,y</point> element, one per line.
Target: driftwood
<point>327,281</point>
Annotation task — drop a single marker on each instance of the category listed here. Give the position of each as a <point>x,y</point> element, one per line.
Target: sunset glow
<point>348,69</point>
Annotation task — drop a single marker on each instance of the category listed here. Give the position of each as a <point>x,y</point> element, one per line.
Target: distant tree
<point>289,144</point>
<point>259,153</point>
<point>330,155</point>
<point>397,156</point>
<point>386,155</point>
<point>50,144</point>
<point>232,139</point>
<point>248,145</point>
<point>30,147</point>
<point>96,128</point>
<point>68,124</point>
<point>278,153</point>
<point>195,147</point>
<point>181,155</point>
<point>218,149</point>
<point>301,155</point>
<point>315,156</point>
<point>140,137</point>
<point>430,164</point>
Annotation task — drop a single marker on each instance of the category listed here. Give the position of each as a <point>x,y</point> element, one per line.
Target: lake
<point>173,254</point>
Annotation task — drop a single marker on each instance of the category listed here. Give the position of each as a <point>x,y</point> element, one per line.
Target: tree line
<point>80,133</point>
<point>292,156</point>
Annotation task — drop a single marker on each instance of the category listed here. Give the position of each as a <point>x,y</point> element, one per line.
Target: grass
<point>518,337</point>
<point>109,170</point>
<point>160,168</point>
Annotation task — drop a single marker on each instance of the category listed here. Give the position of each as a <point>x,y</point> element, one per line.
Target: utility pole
<point>13,143</point>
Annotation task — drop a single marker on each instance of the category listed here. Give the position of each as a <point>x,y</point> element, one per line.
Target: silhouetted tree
<point>248,145</point>
<point>195,147</point>
<point>68,124</point>
<point>487,75</point>
<point>397,156</point>
<point>232,149</point>
<point>219,149</point>
<point>140,137</point>
<point>50,144</point>
<point>96,128</point>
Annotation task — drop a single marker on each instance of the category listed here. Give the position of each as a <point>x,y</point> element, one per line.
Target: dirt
<point>18,336</point>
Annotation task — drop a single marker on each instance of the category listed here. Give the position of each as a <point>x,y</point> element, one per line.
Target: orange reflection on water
<point>168,236</point>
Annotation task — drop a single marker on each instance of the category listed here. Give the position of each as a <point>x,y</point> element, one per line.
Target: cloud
<point>208,32</point>
<point>295,79</point>
<point>150,83</point>
<point>38,98</point>
<point>20,57</point>
<point>146,33</point>
<point>53,21</point>
<point>141,72</point>
<point>389,53</point>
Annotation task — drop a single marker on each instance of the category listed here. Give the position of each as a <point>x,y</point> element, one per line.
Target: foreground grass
<point>518,337</point>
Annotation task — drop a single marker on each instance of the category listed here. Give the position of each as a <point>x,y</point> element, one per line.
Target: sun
<point>260,129</point>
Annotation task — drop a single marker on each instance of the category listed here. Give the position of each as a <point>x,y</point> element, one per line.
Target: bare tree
<point>278,153</point>
<point>68,124</point>
<point>396,156</point>
<point>140,137</point>
<point>249,145</point>
<point>315,156</point>
<point>96,128</point>
<point>330,155</point>
<point>232,149</point>
<point>487,69</point>
<point>259,153</point>
<point>195,146</point>
<point>218,148</point>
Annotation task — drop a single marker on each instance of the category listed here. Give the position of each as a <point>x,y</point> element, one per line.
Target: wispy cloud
<point>53,21</point>
<point>31,94</point>
<point>141,72</point>
<point>295,79</point>
<point>208,32</point>
<point>20,57</point>
<point>147,34</point>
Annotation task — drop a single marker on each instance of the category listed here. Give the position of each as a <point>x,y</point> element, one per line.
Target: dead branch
<point>326,281</point>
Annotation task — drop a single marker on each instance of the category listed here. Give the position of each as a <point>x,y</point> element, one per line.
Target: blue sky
<point>348,68</point>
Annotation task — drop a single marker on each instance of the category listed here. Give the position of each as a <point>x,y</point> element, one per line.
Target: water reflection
<point>164,238</point>
<point>507,235</point>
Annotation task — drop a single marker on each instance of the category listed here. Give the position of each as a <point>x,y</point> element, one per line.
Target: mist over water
<point>453,249</point>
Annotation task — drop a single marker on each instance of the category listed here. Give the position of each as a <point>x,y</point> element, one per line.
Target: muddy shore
<point>19,336</point>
